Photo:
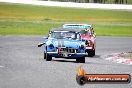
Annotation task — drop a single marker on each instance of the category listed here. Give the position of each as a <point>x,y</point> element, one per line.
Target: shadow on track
<point>87,62</point>
<point>66,60</point>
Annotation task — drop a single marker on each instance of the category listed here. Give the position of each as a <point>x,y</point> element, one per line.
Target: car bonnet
<point>65,43</point>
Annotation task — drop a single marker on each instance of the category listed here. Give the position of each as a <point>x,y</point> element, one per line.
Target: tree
<point>93,1</point>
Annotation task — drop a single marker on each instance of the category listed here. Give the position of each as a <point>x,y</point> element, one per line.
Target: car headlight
<point>51,46</point>
<point>82,47</point>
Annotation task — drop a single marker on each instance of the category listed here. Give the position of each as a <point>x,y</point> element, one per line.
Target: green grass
<point>18,19</point>
<point>113,29</point>
<point>25,28</point>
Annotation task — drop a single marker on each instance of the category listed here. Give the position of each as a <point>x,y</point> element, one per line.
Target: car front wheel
<point>44,55</point>
<point>81,60</point>
<point>48,57</point>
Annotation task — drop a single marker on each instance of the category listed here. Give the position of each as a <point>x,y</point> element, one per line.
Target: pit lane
<point>22,64</point>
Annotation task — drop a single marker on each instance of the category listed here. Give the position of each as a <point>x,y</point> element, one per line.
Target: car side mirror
<point>46,37</point>
<point>40,44</point>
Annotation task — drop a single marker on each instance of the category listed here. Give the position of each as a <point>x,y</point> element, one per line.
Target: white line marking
<point>1,66</point>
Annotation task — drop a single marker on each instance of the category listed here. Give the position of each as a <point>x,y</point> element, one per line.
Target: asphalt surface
<point>22,64</point>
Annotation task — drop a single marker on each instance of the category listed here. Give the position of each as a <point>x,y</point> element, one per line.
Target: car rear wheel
<point>48,57</point>
<point>81,60</point>
<point>91,53</point>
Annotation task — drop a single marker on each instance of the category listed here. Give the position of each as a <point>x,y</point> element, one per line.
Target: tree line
<point>94,1</point>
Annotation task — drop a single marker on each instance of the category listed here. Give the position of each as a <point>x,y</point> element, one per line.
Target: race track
<point>22,64</point>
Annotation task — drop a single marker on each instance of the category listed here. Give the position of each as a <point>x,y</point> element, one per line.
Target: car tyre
<point>44,55</point>
<point>80,60</point>
<point>48,57</point>
<point>91,53</point>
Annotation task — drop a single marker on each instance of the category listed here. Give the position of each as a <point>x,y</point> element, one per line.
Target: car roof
<point>65,29</point>
<point>80,26</point>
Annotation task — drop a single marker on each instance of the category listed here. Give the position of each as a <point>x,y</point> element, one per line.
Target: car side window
<point>51,35</point>
<point>78,36</point>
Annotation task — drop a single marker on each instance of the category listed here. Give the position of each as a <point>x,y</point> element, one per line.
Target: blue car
<point>64,43</point>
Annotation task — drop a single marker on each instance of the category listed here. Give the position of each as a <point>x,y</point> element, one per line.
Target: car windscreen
<point>63,34</point>
<point>84,32</point>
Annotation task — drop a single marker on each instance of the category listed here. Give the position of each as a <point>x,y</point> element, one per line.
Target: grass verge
<point>18,19</point>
